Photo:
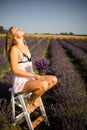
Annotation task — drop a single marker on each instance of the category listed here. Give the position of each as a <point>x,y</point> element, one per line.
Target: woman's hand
<point>39,77</point>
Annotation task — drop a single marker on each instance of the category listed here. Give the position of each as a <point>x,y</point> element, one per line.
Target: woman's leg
<point>38,88</point>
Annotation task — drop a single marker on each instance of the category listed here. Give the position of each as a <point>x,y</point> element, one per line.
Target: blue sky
<point>45,16</point>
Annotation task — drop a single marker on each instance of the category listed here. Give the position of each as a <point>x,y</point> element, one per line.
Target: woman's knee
<point>44,85</point>
<point>54,79</point>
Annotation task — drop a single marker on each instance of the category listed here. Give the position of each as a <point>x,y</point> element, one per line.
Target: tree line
<point>3,31</point>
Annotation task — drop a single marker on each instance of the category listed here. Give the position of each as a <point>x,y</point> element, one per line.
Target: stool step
<point>33,109</point>
<point>38,120</point>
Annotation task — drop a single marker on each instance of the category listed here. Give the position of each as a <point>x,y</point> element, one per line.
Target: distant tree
<point>61,33</point>
<point>2,30</point>
<point>71,33</point>
<point>64,33</point>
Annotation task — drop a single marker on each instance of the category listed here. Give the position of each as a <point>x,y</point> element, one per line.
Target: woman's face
<point>17,32</point>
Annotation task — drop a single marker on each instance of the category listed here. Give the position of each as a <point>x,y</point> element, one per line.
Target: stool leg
<point>26,114</point>
<point>44,112</point>
<point>13,107</point>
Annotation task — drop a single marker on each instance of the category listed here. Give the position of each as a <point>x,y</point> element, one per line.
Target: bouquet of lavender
<point>42,65</point>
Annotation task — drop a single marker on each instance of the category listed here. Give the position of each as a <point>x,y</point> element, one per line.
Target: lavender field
<point>66,103</point>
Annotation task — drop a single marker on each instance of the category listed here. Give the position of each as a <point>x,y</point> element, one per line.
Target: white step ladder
<point>20,101</point>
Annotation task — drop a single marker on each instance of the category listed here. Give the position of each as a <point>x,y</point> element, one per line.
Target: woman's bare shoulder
<point>14,49</point>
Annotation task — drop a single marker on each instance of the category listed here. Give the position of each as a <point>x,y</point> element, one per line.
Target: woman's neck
<point>20,41</point>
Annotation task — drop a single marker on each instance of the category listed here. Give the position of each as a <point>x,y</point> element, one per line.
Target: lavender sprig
<point>42,65</point>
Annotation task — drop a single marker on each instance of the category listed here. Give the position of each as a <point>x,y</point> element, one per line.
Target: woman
<point>24,79</point>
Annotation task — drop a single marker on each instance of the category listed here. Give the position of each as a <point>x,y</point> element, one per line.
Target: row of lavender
<point>76,52</point>
<point>82,44</point>
<point>70,96</point>
<point>31,42</point>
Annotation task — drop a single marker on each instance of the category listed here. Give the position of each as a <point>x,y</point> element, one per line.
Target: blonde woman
<point>24,79</point>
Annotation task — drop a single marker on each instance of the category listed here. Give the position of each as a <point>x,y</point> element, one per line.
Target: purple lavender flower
<point>41,65</point>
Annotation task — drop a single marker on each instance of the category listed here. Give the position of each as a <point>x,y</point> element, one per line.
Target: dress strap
<point>20,49</point>
<point>28,58</point>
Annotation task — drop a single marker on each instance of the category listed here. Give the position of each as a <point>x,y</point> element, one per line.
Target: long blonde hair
<point>10,41</point>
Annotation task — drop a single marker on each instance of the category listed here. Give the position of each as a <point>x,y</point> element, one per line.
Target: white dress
<point>25,65</point>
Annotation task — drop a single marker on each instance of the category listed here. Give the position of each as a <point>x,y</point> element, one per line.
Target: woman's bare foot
<point>31,107</point>
<point>37,102</point>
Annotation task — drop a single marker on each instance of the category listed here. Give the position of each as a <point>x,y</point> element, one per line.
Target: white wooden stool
<point>20,101</point>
